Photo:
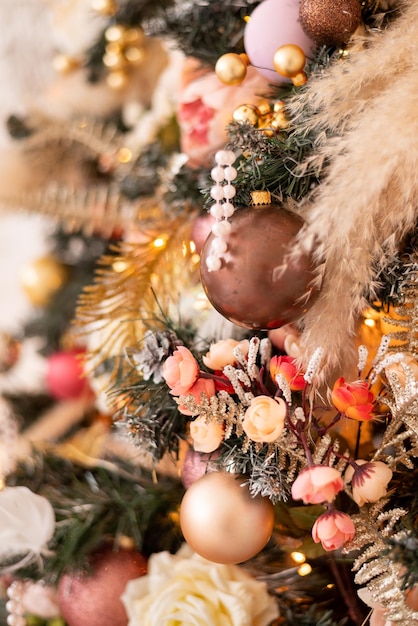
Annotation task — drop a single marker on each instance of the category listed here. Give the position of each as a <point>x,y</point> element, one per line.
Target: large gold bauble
<point>231,68</point>
<point>289,60</point>
<point>42,278</point>
<point>222,522</point>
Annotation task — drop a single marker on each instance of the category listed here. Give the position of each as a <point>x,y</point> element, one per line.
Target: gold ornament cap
<point>260,198</point>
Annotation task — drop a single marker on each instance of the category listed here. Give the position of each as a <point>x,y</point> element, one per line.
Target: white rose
<point>186,589</point>
<point>27,522</point>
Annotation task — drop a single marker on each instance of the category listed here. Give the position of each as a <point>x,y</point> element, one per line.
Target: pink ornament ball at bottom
<point>93,598</point>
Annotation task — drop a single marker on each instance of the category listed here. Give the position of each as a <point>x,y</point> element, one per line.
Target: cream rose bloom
<point>186,589</point>
<point>264,419</point>
<point>221,353</point>
<point>207,435</point>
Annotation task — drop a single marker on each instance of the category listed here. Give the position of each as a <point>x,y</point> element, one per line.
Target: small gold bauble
<point>289,60</point>
<point>64,63</point>
<point>246,113</point>
<point>222,522</point>
<point>42,278</point>
<point>117,79</point>
<point>231,68</point>
<point>107,8</point>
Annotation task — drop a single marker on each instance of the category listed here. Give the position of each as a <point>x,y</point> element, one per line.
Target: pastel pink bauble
<point>65,378</point>
<point>93,598</point>
<point>272,24</point>
<point>196,465</point>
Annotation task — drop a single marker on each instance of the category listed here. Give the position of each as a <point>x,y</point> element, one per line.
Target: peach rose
<point>317,484</point>
<point>287,367</point>
<point>264,419</point>
<point>333,529</point>
<point>207,436</point>
<point>354,400</point>
<point>202,385</point>
<point>369,480</point>
<point>180,371</point>
<point>286,338</point>
<point>206,106</point>
<point>397,368</point>
<point>221,353</point>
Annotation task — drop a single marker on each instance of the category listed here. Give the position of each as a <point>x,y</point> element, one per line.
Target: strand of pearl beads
<point>14,605</point>
<point>223,191</point>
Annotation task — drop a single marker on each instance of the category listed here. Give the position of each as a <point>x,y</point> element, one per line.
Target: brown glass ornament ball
<point>330,22</point>
<point>93,599</point>
<point>222,522</point>
<point>42,278</point>
<point>257,286</point>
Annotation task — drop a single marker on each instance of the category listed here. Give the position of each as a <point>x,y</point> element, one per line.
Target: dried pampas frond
<point>365,110</point>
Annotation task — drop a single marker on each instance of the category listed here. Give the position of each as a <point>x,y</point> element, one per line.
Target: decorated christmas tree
<point>209,409</point>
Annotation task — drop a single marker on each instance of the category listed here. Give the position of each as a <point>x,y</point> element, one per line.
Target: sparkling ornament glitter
<point>231,68</point>
<point>93,598</point>
<point>272,24</point>
<point>222,522</point>
<point>330,22</point>
<point>257,284</point>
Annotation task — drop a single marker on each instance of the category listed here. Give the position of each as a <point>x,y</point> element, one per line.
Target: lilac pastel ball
<point>272,24</point>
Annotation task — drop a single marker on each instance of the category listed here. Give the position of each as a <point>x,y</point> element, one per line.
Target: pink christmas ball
<point>65,377</point>
<point>94,598</point>
<point>196,465</point>
<point>272,24</point>
<point>201,229</point>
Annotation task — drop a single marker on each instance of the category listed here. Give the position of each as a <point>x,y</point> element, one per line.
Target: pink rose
<point>221,353</point>
<point>287,367</point>
<point>206,107</point>
<point>264,419</point>
<point>369,480</point>
<point>204,386</point>
<point>354,400</point>
<point>317,484</point>
<point>333,529</point>
<point>180,371</point>
<point>207,436</point>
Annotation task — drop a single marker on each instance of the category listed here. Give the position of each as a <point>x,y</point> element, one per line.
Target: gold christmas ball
<point>246,113</point>
<point>231,68</point>
<point>330,22</point>
<point>289,60</point>
<point>222,522</point>
<point>42,278</point>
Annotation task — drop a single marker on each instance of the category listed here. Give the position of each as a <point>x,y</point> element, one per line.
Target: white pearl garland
<point>14,605</point>
<point>222,192</point>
